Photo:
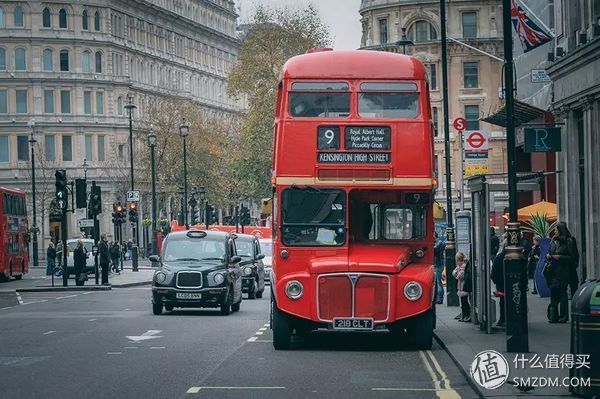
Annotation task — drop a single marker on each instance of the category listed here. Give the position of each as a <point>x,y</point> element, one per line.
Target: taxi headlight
<point>160,277</point>
<point>294,289</point>
<point>413,291</point>
<point>218,278</point>
<point>247,271</point>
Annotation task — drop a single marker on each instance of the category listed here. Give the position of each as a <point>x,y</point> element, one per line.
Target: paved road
<point>99,345</point>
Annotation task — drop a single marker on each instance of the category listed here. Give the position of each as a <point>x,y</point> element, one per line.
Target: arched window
<point>2,23</point>
<point>2,59</point>
<point>20,59</point>
<point>98,62</point>
<point>84,20</point>
<point>97,21</point>
<point>85,62</point>
<point>47,62</point>
<point>62,19</point>
<point>46,18</point>
<point>120,105</point>
<point>18,20</point>
<point>64,60</point>
<point>422,31</point>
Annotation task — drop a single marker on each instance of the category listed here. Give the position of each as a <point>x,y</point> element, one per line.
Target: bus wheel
<point>420,332</point>
<point>282,330</point>
<point>19,277</point>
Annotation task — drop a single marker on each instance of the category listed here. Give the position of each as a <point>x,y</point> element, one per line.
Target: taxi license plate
<point>188,295</point>
<point>353,324</point>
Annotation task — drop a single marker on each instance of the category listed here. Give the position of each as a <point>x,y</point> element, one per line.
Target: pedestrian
<point>114,256</point>
<point>79,263</point>
<point>50,258</point>
<point>462,273</point>
<point>124,250</point>
<point>563,257</point>
<point>59,253</point>
<point>494,243</point>
<point>129,248</point>
<point>532,260</point>
<point>497,276</point>
<point>104,257</point>
<point>438,261</point>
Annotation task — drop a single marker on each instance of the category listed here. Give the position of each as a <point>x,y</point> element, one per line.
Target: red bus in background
<point>14,250</point>
<point>353,188</point>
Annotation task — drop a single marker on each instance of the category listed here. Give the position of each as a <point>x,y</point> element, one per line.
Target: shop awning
<point>524,113</point>
<point>541,208</point>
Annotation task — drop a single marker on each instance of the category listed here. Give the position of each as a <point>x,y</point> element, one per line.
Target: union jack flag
<point>530,33</point>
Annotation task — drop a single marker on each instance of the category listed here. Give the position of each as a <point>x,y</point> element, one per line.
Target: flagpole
<point>531,13</point>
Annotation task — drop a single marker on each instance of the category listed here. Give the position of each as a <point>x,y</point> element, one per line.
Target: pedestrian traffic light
<point>95,201</point>
<point>211,214</point>
<point>80,193</point>
<point>244,216</point>
<point>62,192</point>
<point>133,212</point>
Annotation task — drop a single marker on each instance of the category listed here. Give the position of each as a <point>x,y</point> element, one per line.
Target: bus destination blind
<point>367,138</point>
<point>354,157</point>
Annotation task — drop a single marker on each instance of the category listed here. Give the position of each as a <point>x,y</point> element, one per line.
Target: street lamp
<point>34,228</point>
<point>85,166</point>
<point>184,131</point>
<point>152,145</point>
<point>404,41</point>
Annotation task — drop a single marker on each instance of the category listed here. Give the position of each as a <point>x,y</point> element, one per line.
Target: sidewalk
<point>463,341</point>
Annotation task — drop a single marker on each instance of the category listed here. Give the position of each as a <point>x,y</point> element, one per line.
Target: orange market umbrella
<point>541,208</point>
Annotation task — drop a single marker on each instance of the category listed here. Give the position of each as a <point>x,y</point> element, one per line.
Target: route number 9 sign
<point>328,138</point>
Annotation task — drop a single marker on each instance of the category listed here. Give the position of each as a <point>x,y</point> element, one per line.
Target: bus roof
<point>12,190</point>
<point>353,64</point>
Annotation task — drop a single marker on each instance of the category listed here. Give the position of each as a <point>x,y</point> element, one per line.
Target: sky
<point>341,16</point>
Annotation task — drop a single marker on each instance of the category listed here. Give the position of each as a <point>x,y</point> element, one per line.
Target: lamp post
<point>152,145</point>
<point>404,41</point>
<point>34,241</point>
<point>85,167</point>
<point>201,192</point>
<point>184,131</point>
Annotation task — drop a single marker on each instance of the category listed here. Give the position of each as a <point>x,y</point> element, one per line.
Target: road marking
<point>404,389</point>
<point>8,307</point>
<point>49,332</point>
<point>157,347</point>
<point>86,293</point>
<point>252,339</point>
<point>198,389</point>
<point>130,347</point>
<point>445,392</point>
<point>193,390</point>
<point>258,333</point>
<point>114,353</point>
<point>263,340</point>
<point>267,325</point>
<point>65,297</point>
<point>19,299</point>
<point>92,319</point>
<point>150,334</point>
<point>124,310</point>
<point>262,329</point>
<point>29,303</point>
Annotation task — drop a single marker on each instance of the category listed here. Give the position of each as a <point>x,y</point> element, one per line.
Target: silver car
<point>266,247</point>
<point>87,245</point>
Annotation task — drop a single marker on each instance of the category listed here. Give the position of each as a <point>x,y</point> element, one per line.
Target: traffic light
<point>62,192</point>
<point>121,214</point>
<point>244,216</point>
<point>211,214</point>
<point>95,200</point>
<point>80,193</point>
<point>195,215</point>
<point>133,212</point>
<point>116,217</point>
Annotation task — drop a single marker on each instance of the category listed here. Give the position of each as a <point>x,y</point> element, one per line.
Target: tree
<point>274,35</point>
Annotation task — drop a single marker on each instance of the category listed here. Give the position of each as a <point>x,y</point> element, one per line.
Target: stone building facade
<point>576,104</point>
<point>70,66</point>
<point>474,79</point>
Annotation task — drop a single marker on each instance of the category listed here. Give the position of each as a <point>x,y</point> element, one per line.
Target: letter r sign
<point>542,139</point>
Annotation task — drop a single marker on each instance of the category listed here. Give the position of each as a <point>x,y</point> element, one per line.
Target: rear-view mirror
<point>154,258</point>
<point>260,256</point>
<point>235,259</point>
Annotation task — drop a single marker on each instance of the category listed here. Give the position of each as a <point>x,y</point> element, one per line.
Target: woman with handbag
<point>462,273</point>
<point>79,262</point>
<point>562,257</point>
<point>533,259</point>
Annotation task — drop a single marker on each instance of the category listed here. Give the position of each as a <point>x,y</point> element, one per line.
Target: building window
<point>21,99</point>
<point>62,19</point>
<point>436,123</point>
<point>472,117</point>
<point>67,148</point>
<point>469,25</point>
<point>3,102</point>
<point>120,152</point>
<point>84,20</point>
<point>65,101</point>
<point>4,153</point>
<point>46,18</point>
<point>2,23</point>
<point>50,147</point>
<point>422,31</point>
<point>18,20</point>
<point>101,148</point>
<point>47,61</point>
<point>2,59</point>
<point>470,75</point>
<point>85,62</point>
<point>64,60</point>
<point>87,102</point>
<point>49,101</point>
<point>22,148</point>
<point>432,74</point>
<point>89,150</point>
<point>100,102</point>
<point>120,106</point>
<point>97,21</point>
<point>20,59</point>
<point>98,62</point>
<point>383,31</point>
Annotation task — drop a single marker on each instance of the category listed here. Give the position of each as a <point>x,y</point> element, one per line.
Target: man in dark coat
<point>494,243</point>
<point>104,258</point>
<point>438,262</point>
<point>498,280</point>
<point>563,256</point>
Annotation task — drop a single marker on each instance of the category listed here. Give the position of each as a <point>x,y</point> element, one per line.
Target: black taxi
<point>197,269</point>
<point>252,267</point>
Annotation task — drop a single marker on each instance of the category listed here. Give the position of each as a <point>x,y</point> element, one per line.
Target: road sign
<point>81,223</point>
<point>61,195</point>
<point>476,140</point>
<point>61,204</point>
<point>460,124</point>
<point>133,196</point>
<point>539,76</point>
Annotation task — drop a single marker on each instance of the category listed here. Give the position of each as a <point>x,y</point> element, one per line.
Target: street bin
<point>585,337</point>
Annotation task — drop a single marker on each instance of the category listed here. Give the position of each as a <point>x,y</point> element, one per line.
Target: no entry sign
<point>476,140</point>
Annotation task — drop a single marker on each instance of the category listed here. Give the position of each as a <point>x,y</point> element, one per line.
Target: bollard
<point>134,258</point>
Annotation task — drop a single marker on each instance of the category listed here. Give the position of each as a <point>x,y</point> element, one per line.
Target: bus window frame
<point>321,90</point>
<point>379,225</point>
<point>413,89</point>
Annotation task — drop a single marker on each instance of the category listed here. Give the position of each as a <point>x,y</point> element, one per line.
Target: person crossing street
<point>104,258</point>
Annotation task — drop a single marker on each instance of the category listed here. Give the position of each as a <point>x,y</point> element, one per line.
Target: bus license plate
<point>188,295</point>
<point>353,324</point>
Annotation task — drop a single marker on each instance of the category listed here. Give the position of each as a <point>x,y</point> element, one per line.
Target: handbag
<point>83,276</point>
<point>548,270</point>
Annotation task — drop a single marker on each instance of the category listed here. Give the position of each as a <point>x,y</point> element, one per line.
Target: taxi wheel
<point>157,308</point>
<point>252,294</point>
<point>169,308</point>
<point>236,307</point>
<point>282,329</point>
<point>259,294</point>
<point>226,305</point>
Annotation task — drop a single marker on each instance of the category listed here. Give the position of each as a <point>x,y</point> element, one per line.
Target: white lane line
<point>19,299</point>
<point>92,319</point>
<point>236,388</point>
<point>193,390</point>
<point>263,340</point>
<point>124,310</point>
<point>29,303</point>
<point>8,307</point>
<point>86,293</point>
<point>258,333</point>
<point>267,325</point>
<point>157,347</point>
<point>49,332</point>
<point>130,347</point>
<point>252,339</point>
<point>262,329</point>
<point>114,353</point>
<point>65,297</point>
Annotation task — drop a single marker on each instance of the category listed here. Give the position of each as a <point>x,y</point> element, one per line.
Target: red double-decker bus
<point>353,190</point>
<point>14,255</point>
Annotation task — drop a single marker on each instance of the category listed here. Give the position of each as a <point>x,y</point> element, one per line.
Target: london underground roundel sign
<point>476,140</point>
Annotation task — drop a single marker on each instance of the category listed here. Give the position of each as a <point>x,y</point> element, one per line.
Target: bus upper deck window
<point>320,100</point>
<point>388,100</point>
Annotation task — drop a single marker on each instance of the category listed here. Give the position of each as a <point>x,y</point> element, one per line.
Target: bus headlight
<point>419,253</point>
<point>294,289</point>
<point>247,271</point>
<point>413,291</point>
<point>160,277</point>
<point>218,278</point>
